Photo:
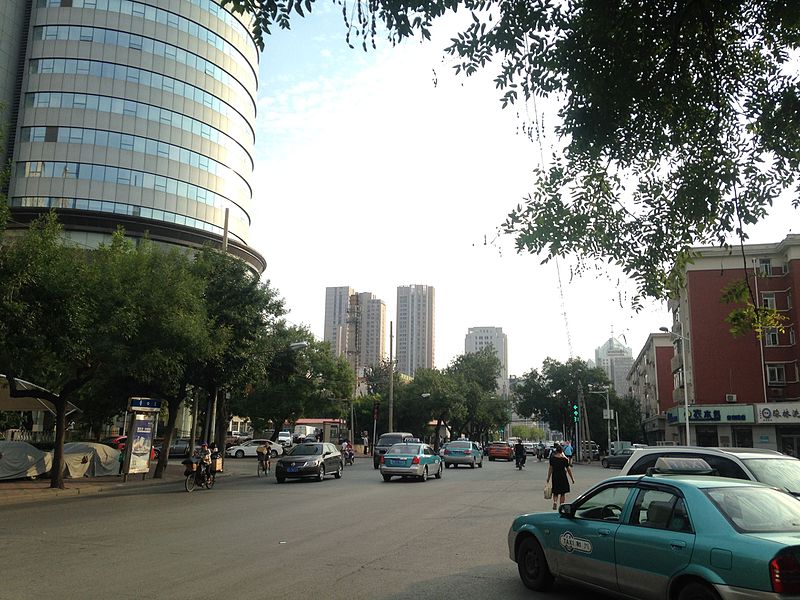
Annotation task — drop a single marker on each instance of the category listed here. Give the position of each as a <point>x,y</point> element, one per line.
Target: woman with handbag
<point>558,470</point>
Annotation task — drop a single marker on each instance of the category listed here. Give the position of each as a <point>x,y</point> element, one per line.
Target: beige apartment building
<point>415,328</point>
<point>355,326</point>
<point>137,113</point>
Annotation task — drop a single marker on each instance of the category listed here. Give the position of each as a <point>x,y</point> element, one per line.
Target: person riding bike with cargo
<point>264,456</point>
<point>204,454</point>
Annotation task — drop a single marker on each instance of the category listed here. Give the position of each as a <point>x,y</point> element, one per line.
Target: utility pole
<point>391,377</point>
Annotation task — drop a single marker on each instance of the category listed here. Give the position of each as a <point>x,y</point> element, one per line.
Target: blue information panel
<point>144,405</point>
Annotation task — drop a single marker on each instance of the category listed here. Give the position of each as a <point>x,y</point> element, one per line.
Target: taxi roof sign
<point>678,465</point>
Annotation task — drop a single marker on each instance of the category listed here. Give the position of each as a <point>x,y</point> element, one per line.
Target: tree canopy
<point>678,122</point>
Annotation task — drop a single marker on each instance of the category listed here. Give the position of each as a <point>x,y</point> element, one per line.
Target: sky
<point>383,168</point>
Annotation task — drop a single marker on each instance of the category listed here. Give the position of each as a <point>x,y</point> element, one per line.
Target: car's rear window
<point>778,472</point>
<point>389,440</point>
<point>460,445</point>
<point>404,449</point>
<point>757,509</point>
<point>306,449</point>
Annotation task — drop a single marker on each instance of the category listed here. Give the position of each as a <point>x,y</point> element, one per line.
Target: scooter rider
<point>204,454</point>
<point>519,453</point>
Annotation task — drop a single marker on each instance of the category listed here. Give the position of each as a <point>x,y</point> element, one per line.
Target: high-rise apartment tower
<point>415,328</point>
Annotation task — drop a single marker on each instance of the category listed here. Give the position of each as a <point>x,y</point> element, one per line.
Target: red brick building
<point>742,391</point>
<point>650,382</point>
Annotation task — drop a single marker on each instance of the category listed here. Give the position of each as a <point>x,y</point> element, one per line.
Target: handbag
<point>548,491</point>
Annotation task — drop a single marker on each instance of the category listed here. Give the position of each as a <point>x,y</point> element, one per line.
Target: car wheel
<point>697,591</point>
<point>532,566</point>
<point>439,472</point>
<point>472,465</point>
<point>338,474</point>
<point>273,453</point>
<point>604,462</point>
<point>280,479</point>
<point>239,454</point>
<point>424,474</point>
<point>321,474</point>
<point>386,478</point>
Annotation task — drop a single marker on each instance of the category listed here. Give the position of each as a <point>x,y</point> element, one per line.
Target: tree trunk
<point>57,470</point>
<point>173,407</point>
<point>222,421</point>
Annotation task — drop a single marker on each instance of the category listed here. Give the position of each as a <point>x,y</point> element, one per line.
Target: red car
<point>501,450</point>
<point>118,443</point>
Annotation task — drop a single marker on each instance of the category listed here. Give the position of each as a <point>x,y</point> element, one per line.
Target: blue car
<point>666,537</point>
<point>411,460</point>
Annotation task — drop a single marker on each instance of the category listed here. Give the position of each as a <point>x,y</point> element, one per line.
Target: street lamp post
<point>685,380</point>
<point>608,419</point>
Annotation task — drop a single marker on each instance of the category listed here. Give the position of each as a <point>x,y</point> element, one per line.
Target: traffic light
<point>575,412</point>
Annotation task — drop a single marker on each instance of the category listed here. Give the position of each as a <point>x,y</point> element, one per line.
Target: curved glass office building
<point>137,113</point>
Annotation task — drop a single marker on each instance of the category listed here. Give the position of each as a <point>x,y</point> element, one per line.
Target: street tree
<point>678,123</point>
<point>294,383</point>
<point>239,308</point>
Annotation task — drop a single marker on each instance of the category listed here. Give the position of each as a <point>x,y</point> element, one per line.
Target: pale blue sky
<point>368,175</point>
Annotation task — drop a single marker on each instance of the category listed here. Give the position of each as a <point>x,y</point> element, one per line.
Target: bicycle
<point>264,467</point>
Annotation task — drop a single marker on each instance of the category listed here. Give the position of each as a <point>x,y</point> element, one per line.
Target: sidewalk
<point>22,491</point>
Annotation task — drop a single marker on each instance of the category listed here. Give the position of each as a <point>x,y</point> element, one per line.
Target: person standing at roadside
<point>568,451</point>
<point>561,474</point>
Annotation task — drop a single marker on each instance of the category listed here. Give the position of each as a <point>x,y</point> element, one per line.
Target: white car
<point>285,438</point>
<point>249,449</point>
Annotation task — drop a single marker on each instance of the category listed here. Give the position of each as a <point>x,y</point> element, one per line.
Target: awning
<point>26,403</point>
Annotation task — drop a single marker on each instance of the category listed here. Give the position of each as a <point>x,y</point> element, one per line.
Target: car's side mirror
<point>327,453</point>
<point>565,510</point>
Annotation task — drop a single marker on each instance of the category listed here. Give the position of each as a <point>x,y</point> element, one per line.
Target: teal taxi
<point>411,460</point>
<point>668,535</point>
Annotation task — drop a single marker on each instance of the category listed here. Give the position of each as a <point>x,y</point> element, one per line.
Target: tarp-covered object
<point>20,459</point>
<point>87,459</point>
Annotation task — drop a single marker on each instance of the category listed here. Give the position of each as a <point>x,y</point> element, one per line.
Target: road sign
<point>143,405</point>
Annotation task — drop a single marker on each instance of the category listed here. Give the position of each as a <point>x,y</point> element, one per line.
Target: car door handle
<point>677,545</point>
<point>604,532</point>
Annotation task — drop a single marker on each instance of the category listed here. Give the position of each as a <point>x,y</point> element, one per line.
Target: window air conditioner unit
<point>776,392</point>
<point>730,397</point>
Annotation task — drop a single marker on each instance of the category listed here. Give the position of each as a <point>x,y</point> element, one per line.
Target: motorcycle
<point>349,456</point>
<point>520,461</point>
<point>198,473</point>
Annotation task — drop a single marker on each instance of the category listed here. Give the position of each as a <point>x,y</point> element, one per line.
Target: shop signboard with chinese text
<point>711,414</point>
<point>778,413</point>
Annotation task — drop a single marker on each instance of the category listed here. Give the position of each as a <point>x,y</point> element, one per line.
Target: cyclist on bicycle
<point>264,456</point>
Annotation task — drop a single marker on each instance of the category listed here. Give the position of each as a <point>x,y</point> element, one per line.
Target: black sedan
<point>617,460</point>
<point>310,460</point>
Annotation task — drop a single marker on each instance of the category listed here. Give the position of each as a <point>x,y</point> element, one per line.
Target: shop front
<point>713,424</point>
<point>780,421</point>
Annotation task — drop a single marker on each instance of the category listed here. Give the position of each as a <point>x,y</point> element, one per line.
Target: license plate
<point>291,469</point>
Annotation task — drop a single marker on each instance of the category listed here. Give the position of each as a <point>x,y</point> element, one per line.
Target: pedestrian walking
<point>561,474</point>
<point>365,441</point>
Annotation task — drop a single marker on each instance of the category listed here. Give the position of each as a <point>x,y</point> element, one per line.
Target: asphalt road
<point>249,537</point>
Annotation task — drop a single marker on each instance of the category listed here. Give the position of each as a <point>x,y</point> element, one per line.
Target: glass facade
<point>139,112</point>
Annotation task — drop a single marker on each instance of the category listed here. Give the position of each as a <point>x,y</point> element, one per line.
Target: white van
<point>285,438</point>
